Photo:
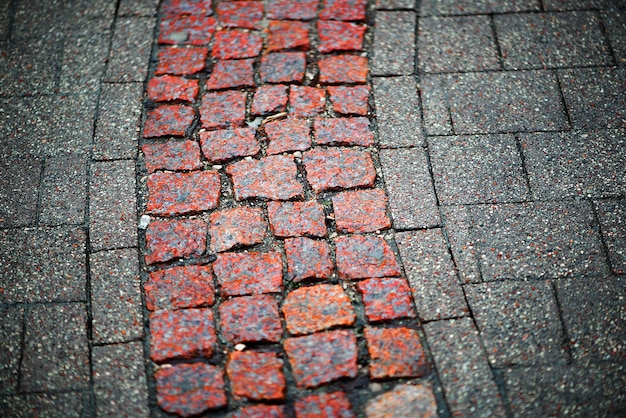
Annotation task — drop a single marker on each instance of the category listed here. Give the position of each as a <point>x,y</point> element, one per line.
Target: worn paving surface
<point>332,208</point>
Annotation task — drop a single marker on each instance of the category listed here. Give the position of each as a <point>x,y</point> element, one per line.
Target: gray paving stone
<point>498,102</point>
<point>64,190</point>
<point>437,119</point>
<point>395,4</point>
<point>431,274</point>
<point>550,40</point>
<point>582,4</point>
<point>393,52</point>
<point>518,322</point>
<point>30,67</point>
<point>612,217</point>
<point>412,198</point>
<point>56,351</point>
<point>61,405</point>
<point>10,346</point>
<point>112,206</point>
<point>130,50</point>
<point>458,224</point>
<point>4,20</point>
<point>456,44</point>
<point>42,265</point>
<point>119,115</point>
<point>595,97</point>
<point>120,380</point>
<point>574,163</point>
<point>615,26</point>
<point>467,380</point>
<point>138,8</point>
<point>19,190</point>
<point>37,19</point>
<point>462,7</point>
<point>477,169</point>
<point>398,112</point>
<point>79,10</point>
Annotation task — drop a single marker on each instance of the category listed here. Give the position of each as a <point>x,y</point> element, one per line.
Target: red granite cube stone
<point>180,287</point>
<point>386,299</point>
<point>288,135</point>
<point>241,274</point>
<point>223,145</point>
<point>294,219</point>
<point>307,259</point>
<point>350,100</point>
<point>339,69</point>
<point>236,227</point>
<point>331,169</point>
<point>170,239</point>
<point>181,61</point>
<point>240,14</point>
<point>235,43</point>
<point>228,74</point>
<point>292,9</point>
<point>324,405</point>
<point>190,389</point>
<point>306,101</point>
<point>223,109</point>
<point>171,194</point>
<point>365,256</point>
<point>260,411</point>
<point>256,375</point>
<point>172,155</point>
<point>322,358</point>
<point>317,308</point>
<point>340,36</point>
<point>168,120</point>
<point>288,34</point>
<point>181,334</point>
<point>186,29</point>
<point>283,67</point>
<point>361,211</point>
<point>184,7</point>
<point>272,178</point>
<point>251,319</point>
<point>343,131</point>
<point>269,99</point>
<point>343,10</point>
<point>170,88</point>
<point>395,352</point>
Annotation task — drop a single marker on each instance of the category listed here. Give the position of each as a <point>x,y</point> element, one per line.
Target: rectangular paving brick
<point>138,7</point>
<point>462,7</point>
<point>395,4</point>
<point>467,380</point>
<point>64,190</point>
<point>393,52</point>
<point>612,217</point>
<point>458,223</point>
<point>19,191</point>
<point>10,347</point>
<point>437,120</point>
<point>563,5</point>
<point>613,22</point>
<point>30,67</point>
<point>67,405</point>
<point>130,49</point>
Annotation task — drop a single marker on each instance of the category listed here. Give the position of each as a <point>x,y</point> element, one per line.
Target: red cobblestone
<point>170,88</point>
<point>172,155</point>
<point>395,352</point>
<point>251,319</point>
<point>340,69</point>
<point>272,177</point>
<point>236,227</point>
<point>235,43</point>
<point>181,193</point>
<point>386,299</point>
<point>343,10</point>
<point>343,131</point>
<point>365,256</point>
<point>231,74</point>
<point>288,34</point>
<point>181,7</point>
<point>317,308</point>
<point>361,211</point>
<point>224,145</point>
<point>292,9</point>
<point>181,61</point>
<point>322,358</point>
<point>223,109</point>
<point>198,29</point>
<point>170,239</point>
<point>269,99</point>
<point>324,405</point>
<point>240,14</point>
<point>256,375</point>
<point>349,100</point>
<point>294,219</point>
<point>180,287</point>
<point>306,101</point>
<point>260,411</point>
<point>340,36</point>
<point>283,67</point>
<point>331,169</point>
<point>307,259</point>
<point>288,135</point>
<point>190,389</point>
<point>408,400</point>
<point>181,334</point>
<point>168,120</point>
<point>241,274</point>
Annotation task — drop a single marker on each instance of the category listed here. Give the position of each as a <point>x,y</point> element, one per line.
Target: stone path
<point>312,208</point>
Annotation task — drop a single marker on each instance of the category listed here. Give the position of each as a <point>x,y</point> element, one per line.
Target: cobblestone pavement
<point>333,208</point>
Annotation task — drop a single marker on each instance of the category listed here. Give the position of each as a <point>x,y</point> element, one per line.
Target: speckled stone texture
<point>361,211</point>
<point>403,401</point>
<point>288,135</point>
<point>283,67</point>
<point>172,156</point>
<point>226,144</point>
<point>173,194</point>
<point>256,375</point>
<point>331,169</point>
<point>272,178</point>
<point>230,74</point>
<point>343,131</point>
<point>223,109</point>
<point>343,69</point>
<point>333,404</point>
<point>395,352</point>
<point>386,299</point>
<point>236,227</point>
<point>612,216</point>
<point>170,239</point>
<point>241,14</point>
<point>248,273</point>
<point>181,61</point>
<point>287,34</point>
<point>365,256</point>
<point>293,219</point>
<point>349,100</point>
<point>307,259</point>
<point>393,51</point>
<point>234,44</point>
<point>197,29</point>
<point>269,99</point>
<point>340,36</point>
<point>260,411</point>
<point>250,319</point>
<point>306,101</point>
<point>179,288</point>
<point>170,88</point>
<point>167,120</point>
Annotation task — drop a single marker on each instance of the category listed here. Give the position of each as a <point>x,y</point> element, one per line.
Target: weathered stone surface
<point>288,135</point>
<point>236,227</point>
<point>180,287</point>
<point>307,259</point>
<point>340,69</point>
<point>172,156</point>
<point>343,131</point>
<point>272,178</point>
<point>403,401</point>
<point>256,375</point>
<point>249,273</point>
<point>393,52</point>
<point>287,34</point>
<point>197,29</point>
<point>350,100</point>
<point>173,194</point>
<point>612,217</point>
<point>324,405</point>
<point>181,61</point>
<point>293,219</point>
<point>292,9</point>
<point>331,169</point>
<point>365,256</point>
<point>269,99</point>
<point>260,411</point>
<point>240,14</point>
<point>343,9</point>
<point>230,74</point>
<point>283,67</point>
<point>11,332</point>
<point>168,120</point>
<point>223,109</point>
<point>251,319</point>
<point>306,101</point>
<point>340,36</point>
<point>386,299</point>
<point>361,211</point>
<point>225,144</point>
<point>170,239</point>
<point>234,44</point>
<point>170,88</point>
<point>395,352</point>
